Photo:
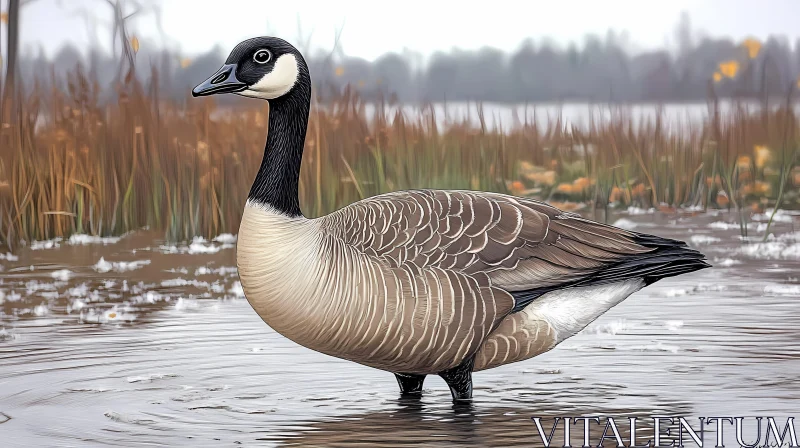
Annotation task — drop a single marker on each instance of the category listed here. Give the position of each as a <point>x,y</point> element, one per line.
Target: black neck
<point>277,180</point>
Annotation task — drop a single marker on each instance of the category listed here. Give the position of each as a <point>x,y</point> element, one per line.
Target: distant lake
<point>579,114</point>
<point>509,116</point>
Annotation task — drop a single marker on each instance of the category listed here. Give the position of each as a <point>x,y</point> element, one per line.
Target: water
<point>175,356</point>
<point>675,116</point>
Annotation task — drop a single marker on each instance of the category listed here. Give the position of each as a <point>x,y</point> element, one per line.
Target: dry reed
<point>70,164</point>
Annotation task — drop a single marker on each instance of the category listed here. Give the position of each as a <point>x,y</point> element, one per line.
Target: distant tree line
<point>599,70</point>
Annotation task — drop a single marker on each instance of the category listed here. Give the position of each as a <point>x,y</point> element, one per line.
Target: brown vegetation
<point>70,164</point>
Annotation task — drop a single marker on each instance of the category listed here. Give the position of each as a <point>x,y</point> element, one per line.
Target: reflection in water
<point>478,424</point>
<point>168,353</point>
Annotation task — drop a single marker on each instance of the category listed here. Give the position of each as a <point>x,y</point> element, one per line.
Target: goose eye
<point>262,56</point>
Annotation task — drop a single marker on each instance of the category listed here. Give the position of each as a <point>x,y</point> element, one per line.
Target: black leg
<point>410,383</point>
<point>459,379</point>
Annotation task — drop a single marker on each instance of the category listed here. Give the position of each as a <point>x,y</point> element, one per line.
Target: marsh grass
<point>72,164</point>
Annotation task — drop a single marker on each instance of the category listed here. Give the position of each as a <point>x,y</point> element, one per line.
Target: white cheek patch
<point>276,83</point>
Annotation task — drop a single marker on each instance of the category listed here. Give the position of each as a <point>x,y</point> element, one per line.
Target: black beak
<point>223,81</point>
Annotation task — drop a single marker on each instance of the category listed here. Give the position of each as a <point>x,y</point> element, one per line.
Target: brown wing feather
<point>437,228</point>
<point>488,247</point>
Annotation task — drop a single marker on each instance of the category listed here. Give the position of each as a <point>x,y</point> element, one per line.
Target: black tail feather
<point>668,259</point>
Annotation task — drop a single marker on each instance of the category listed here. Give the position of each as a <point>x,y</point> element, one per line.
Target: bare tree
<point>12,39</point>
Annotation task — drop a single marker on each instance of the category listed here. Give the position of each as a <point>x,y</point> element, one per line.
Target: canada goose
<point>419,282</point>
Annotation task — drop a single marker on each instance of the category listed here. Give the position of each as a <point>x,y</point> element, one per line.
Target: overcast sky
<point>372,28</point>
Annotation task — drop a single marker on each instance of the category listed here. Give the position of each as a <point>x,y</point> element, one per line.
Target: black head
<point>261,67</point>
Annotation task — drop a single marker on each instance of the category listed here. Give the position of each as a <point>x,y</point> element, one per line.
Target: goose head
<point>262,67</point>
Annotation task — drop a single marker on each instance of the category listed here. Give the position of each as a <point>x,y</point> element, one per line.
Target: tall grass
<point>69,164</point>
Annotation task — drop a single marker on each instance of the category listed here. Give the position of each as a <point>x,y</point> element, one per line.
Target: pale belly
<point>363,318</point>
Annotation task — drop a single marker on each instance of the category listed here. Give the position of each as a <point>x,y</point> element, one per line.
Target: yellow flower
<point>185,62</point>
<point>581,183</point>
<point>135,44</point>
<point>729,68</point>
<point>743,162</point>
<point>547,178</point>
<point>753,46</point>
<point>339,71</point>
<point>616,194</point>
<point>756,188</point>
<point>717,76</point>
<point>516,187</point>
<point>762,155</point>
<point>565,188</point>
<point>722,199</point>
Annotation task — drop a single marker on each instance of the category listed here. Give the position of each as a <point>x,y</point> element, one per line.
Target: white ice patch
<point>613,328</point>
<point>215,287</point>
<point>225,238</point>
<point>792,236</point>
<point>698,240</point>
<point>82,240</point>
<point>41,310</point>
<point>782,290</point>
<point>151,377</point>
<point>104,266</point>
<point>9,257</point>
<point>784,247</point>
<point>780,216</point>
<point>238,292</point>
<point>726,262</point>
<point>33,287</point>
<point>76,305</point>
<point>673,325</point>
<point>632,210</point>
<point>199,245</point>
<point>62,275</point>
<point>109,316</point>
<point>626,224</point>
<point>221,271</point>
<point>47,244</point>
<point>720,225</point>
<point>657,347</point>
<point>677,292</point>
<point>4,334</point>
<point>186,304</point>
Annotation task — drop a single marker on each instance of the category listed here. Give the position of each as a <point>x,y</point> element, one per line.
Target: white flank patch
<point>276,83</point>
<point>570,310</point>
